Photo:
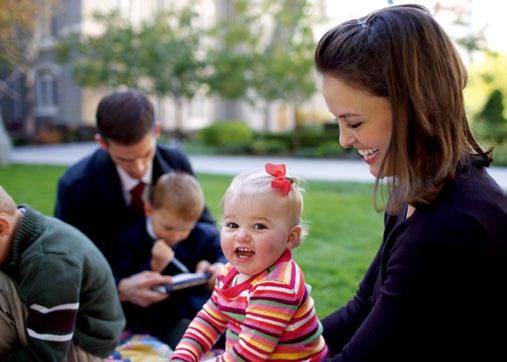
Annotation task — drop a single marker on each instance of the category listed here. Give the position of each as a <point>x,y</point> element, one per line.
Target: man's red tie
<point>137,201</point>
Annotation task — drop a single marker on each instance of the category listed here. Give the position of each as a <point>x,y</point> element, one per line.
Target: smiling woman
<point>394,81</point>
<point>365,120</point>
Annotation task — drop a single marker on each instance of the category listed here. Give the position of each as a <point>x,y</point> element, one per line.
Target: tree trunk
<point>5,143</point>
<point>266,116</point>
<point>178,118</point>
<point>30,126</point>
<point>296,141</point>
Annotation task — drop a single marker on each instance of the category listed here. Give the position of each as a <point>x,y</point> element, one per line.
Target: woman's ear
<point>294,237</point>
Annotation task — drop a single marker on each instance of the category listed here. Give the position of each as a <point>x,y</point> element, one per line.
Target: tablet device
<point>184,280</point>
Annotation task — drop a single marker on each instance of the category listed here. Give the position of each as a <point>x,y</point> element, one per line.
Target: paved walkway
<point>309,169</point>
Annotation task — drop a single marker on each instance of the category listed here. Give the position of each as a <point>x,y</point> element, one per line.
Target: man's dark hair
<point>125,117</point>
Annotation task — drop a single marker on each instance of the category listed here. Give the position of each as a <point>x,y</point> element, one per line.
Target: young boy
<point>170,240</point>
<point>58,299</point>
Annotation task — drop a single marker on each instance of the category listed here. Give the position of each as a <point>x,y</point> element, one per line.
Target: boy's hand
<point>204,266</point>
<point>138,288</point>
<point>161,255</point>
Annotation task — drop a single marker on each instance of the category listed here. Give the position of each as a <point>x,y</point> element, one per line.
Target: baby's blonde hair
<point>259,184</point>
<point>179,192</point>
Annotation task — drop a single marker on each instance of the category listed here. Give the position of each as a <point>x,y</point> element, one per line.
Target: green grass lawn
<point>344,229</point>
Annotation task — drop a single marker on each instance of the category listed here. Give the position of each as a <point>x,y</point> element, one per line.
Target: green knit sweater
<point>67,287</point>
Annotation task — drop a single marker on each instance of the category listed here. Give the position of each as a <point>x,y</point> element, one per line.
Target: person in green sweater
<point>58,299</point>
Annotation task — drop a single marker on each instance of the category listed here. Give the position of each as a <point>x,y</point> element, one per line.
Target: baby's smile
<point>244,253</point>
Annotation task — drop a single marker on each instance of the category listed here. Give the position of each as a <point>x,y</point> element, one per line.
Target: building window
<point>46,97</point>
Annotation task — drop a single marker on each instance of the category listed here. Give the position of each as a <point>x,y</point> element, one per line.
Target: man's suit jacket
<point>90,197</point>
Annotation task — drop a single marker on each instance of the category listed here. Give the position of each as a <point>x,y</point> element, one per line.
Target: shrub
<point>329,149</point>
<point>490,124</point>
<point>284,138</point>
<point>313,137</point>
<point>500,155</point>
<point>48,135</point>
<point>231,133</point>
<point>308,136</point>
<point>269,147</point>
<point>234,149</point>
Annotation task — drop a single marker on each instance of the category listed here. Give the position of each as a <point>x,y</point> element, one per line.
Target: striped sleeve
<point>202,333</point>
<point>52,324</point>
<point>50,287</point>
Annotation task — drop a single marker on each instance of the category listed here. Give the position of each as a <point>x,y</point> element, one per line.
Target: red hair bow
<point>281,183</point>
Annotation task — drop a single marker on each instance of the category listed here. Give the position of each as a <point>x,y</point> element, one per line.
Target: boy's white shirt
<point>150,229</point>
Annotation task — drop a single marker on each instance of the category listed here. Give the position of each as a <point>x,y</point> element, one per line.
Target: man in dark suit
<point>100,194</point>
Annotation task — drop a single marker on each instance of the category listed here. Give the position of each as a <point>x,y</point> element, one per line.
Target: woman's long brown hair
<point>403,54</point>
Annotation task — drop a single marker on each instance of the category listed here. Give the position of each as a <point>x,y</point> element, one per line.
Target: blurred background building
<point>59,100</point>
<point>44,93</point>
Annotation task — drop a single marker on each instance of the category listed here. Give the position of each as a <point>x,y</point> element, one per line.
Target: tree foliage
<point>18,28</point>
<point>160,56</point>
<point>485,76</point>
<point>261,51</point>
<point>23,30</point>
<point>285,67</point>
<point>110,58</point>
<point>490,123</point>
<point>264,51</point>
<point>234,40</point>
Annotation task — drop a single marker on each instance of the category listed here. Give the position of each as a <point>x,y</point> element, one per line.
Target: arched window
<point>46,95</point>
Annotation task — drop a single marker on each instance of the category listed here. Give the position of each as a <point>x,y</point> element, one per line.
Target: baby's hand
<point>204,266</point>
<point>161,255</point>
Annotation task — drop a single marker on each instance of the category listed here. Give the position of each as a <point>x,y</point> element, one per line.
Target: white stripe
<point>188,354</point>
<point>270,288</point>
<point>267,321</point>
<point>50,337</point>
<point>297,278</point>
<point>41,309</point>
<point>244,293</point>
<point>255,352</point>
<point>294,326</point>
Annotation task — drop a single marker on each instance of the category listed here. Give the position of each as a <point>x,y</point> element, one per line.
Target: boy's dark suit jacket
<point>158,319</point>
<point>203,243</point>
<point>90,197</point>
